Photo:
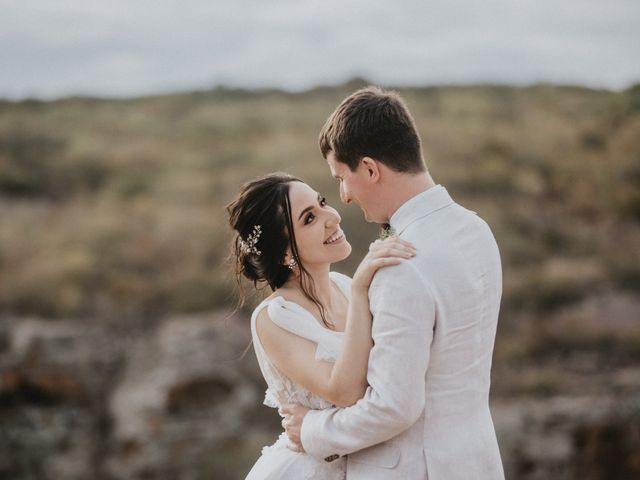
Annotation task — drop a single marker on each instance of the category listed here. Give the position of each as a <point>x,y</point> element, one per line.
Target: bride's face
<point>316,225</point>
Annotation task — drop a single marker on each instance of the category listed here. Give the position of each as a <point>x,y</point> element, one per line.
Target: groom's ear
<point>372,168</point>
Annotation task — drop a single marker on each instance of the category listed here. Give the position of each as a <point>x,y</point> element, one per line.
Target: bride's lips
<point>338,235</point>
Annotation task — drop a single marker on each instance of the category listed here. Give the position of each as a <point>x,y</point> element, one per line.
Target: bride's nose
<point>333,218</point>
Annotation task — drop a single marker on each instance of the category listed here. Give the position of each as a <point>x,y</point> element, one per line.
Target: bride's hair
<point>264,202</point>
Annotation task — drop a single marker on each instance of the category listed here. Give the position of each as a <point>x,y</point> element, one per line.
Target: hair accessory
<point>250,245</point>
<point>292,264</point>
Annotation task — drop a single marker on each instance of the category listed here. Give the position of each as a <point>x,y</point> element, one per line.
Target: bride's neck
<point>321,283</point>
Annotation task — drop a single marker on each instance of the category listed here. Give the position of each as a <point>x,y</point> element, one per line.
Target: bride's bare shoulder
<point>273,336</point>
<point>289,294</point>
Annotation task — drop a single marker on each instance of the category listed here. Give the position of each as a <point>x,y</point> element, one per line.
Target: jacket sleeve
<point>403,311</point>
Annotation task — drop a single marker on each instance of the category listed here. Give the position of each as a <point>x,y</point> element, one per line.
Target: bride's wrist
<point>362,290</point>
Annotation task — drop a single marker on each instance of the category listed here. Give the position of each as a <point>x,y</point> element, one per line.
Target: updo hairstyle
<point>264,202</point>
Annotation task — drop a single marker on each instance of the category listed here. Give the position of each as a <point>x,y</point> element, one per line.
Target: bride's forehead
<point>300,193</point>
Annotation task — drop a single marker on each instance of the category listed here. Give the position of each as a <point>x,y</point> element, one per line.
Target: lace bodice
<point>296,319</point>
<point>281,389</point>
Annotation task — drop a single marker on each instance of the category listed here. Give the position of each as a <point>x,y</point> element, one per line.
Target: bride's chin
<point>341,253</point>
<point>346,252</point>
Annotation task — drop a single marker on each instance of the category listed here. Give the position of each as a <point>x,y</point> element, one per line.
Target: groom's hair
<point>373,123</point>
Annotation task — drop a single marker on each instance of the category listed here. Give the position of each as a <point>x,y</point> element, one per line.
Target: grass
<point>115,208</point>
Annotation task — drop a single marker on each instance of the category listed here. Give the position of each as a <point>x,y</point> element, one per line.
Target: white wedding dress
<point>277,461</point>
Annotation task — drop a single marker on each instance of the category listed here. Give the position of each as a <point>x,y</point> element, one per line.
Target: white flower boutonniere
<point>387,231</point>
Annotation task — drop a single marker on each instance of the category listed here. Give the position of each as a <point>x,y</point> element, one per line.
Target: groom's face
<point>354,187</point>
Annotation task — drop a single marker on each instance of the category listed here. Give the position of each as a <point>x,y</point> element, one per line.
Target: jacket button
<point>331,458</point>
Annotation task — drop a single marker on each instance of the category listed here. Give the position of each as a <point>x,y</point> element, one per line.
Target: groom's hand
<point>292,423</point>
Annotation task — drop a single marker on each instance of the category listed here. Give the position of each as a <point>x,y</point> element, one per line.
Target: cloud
<point>50,48</point>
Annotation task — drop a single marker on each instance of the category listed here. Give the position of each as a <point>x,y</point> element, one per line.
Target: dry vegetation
<point>113,209</point>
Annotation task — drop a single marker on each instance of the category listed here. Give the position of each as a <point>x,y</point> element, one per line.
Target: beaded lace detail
<point>280,388</point>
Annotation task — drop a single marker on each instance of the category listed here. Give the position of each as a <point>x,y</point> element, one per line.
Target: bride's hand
<point>382,253</point>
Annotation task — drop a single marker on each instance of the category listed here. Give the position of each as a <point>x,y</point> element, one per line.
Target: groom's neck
<point>402,187</point>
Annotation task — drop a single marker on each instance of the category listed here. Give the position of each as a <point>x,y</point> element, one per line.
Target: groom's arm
<point>403,319</point>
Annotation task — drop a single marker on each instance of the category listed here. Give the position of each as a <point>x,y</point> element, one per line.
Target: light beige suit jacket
<point>425,413</point>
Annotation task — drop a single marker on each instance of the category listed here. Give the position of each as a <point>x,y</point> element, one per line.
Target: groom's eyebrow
<point>309,207</point>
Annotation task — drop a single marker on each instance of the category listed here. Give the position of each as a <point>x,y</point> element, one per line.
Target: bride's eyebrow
<point>309,207</point>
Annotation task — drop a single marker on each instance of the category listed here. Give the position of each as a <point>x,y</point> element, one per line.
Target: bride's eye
<point>309,218</point>
<point>323,202</point>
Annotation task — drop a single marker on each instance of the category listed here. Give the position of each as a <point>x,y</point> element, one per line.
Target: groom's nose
<point>344,196</point>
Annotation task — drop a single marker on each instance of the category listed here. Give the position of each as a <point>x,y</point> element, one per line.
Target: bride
<point>312,335</point>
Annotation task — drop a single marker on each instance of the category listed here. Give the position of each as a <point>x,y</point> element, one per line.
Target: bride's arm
<point>345,381</point>
<point>348,379</point>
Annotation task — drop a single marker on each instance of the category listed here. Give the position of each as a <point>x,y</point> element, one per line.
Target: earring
<point>292,264</point>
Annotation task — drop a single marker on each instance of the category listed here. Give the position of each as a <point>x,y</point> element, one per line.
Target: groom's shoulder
<point>404,275</point>
<point>401,285</point>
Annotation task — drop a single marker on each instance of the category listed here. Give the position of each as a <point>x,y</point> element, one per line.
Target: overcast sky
<point>52,48</point>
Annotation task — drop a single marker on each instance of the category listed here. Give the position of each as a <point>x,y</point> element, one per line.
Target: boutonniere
<point>386,232</point>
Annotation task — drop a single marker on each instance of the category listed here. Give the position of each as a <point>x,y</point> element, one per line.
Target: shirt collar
<point>420,206</point>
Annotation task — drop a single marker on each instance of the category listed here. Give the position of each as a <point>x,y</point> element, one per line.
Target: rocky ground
<point>178,400</point>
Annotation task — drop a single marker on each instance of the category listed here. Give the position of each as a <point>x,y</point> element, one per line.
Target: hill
<point>112,214</point>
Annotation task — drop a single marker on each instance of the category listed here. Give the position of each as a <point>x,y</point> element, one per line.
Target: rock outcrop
<point>179,400</point>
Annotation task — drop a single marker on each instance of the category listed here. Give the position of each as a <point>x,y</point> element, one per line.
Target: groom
<point>426,412</point>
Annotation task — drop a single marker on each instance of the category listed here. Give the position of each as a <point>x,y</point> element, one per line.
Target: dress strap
<point>295,319</point>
